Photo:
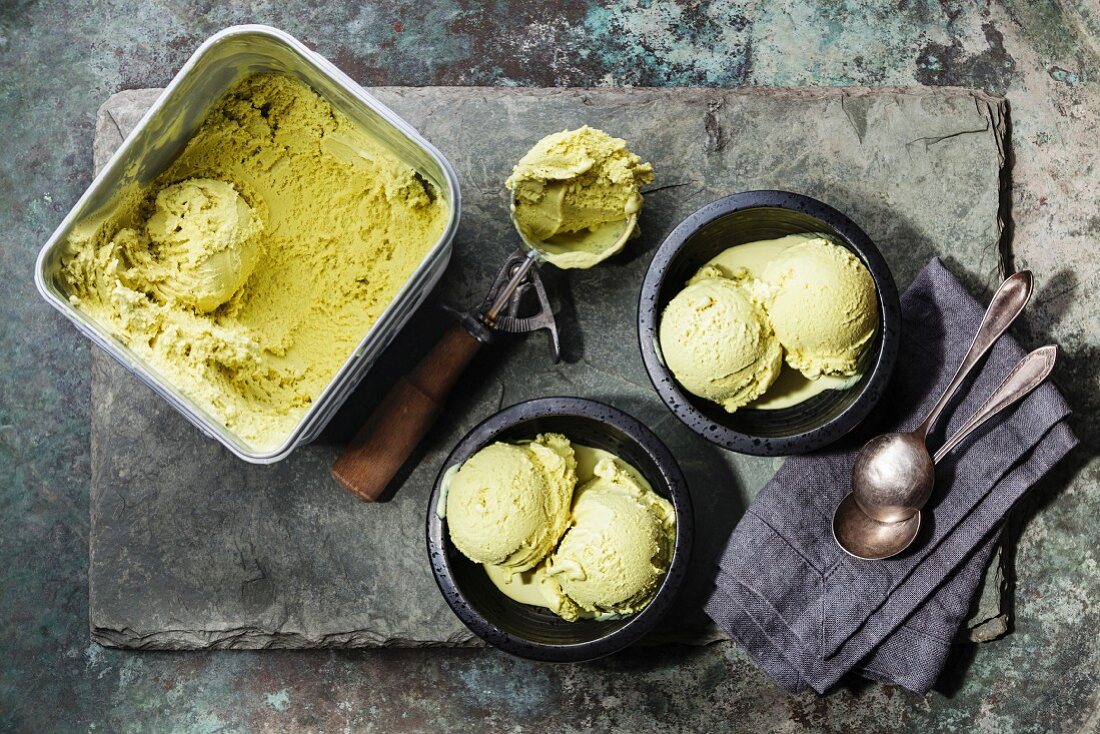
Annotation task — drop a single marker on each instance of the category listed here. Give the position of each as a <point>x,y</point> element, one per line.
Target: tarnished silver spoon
<point>893,474</point>
<point>865,537</point>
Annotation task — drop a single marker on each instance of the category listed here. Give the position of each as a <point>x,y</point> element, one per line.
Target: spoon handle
<point>1027,375</point>
<point>1008,302</point>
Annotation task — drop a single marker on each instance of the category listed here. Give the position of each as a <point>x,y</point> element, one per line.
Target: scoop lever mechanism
<point>507,298</point>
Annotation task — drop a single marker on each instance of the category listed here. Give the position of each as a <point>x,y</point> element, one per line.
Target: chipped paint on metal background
<point>58,63</point>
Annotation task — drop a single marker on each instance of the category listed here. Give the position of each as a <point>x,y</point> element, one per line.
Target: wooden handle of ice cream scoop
<point>395,428</point>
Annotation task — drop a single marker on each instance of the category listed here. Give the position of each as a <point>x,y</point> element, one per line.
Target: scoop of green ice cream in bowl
<point>769,323</point>
<point>560,529</point>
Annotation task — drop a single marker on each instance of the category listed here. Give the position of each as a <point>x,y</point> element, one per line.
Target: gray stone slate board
<point>192,548</point>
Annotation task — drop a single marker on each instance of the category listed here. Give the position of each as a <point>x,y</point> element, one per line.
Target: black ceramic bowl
<point>737,220</point>
<point>536,633</point>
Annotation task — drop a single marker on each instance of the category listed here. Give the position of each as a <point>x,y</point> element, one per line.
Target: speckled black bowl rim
<point>675,488</point>
<point>881,369</point>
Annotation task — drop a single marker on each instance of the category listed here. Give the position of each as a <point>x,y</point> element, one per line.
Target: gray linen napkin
<point>808,612</point>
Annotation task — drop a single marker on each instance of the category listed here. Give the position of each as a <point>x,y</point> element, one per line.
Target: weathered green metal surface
<point>59,61</point>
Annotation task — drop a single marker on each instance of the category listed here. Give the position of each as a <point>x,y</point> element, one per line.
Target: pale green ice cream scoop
<point>718,343</point>
<point>574,192</point>
<point>613,557</point>
<point>204,236</point>
<point>823,304</point>
<point>509,504</point>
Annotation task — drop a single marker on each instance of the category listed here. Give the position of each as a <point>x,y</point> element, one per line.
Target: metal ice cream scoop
<point>393,431</point>
<point>498,310</point>
<point>870,539</point>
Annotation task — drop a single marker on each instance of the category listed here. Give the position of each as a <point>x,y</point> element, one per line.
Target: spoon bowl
<point>868,539</point>
<point>863,536</point>
<point>893,477</point>
<point>860,535</point>
<point>893,474</point>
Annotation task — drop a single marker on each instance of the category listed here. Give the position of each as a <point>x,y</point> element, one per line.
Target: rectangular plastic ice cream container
<point>219,63</point>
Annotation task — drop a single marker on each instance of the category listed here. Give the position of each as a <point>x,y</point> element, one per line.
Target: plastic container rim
<point>377,332</point>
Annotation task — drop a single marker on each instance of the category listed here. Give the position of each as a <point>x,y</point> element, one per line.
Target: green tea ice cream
<point>572,193</point>
<point>823,304</point>
<point>508,505</point>
<point>601,554</point>
<point>614,555</point>
<point>248,272</point>
<point>804,296</point>
<point>718,343</point>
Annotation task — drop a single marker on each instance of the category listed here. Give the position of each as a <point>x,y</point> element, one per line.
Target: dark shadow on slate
<point>1008,223</point>
<point>1072,364</point>
<point>955,669</point>
<point>429,323</point>
<point>1072,374</point>
<point>423,330</point>
<point>716,497</point>
<point>570,334</point>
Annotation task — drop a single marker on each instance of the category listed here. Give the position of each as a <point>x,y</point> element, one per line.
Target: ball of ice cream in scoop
<point>613,557</point>
<point>509,504</point>
<point>823,305</point>
<point>718,343</point>
<point>573,192</point>
<point>204,237</point>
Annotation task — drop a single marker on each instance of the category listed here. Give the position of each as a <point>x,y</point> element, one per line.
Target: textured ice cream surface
<point>611,549</point>
<point>617,550</point>
<point>508,504</point>
<point>718,343</point>
<point>328,219</point>
<point>573,192</point>
<point>203,242</point>
<point>823,304</point>
<point>746,264</point>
